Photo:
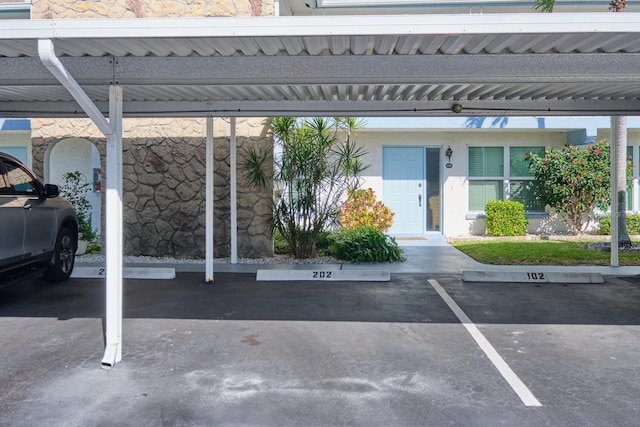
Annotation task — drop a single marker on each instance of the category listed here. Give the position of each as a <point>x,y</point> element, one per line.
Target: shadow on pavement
<point>407,298</point>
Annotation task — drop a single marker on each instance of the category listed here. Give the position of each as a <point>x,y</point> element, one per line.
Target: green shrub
<point>633,224</point>
<point>280,245</point>
<point>506,218</point>
<point>93,248</point>
<point>323,242</point>
<point>365,244</point>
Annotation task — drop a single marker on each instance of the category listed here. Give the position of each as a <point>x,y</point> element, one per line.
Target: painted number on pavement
<point>321,274</point>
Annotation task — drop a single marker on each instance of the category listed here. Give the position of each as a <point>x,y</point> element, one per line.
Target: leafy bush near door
<point>362,209</point>
<point>505,218</point>
<point>365,244</point>
<point>361,244</point>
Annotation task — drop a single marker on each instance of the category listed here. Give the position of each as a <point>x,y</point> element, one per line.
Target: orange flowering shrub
<point>363,210</point>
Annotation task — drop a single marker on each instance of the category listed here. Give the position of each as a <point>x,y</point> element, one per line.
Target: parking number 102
<point>535,276</point>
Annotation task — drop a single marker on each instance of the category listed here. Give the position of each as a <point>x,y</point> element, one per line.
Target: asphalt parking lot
<point>393,353</point>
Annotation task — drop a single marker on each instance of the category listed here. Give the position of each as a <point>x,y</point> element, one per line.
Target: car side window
<point>5,188</point>
<point>20,181</point>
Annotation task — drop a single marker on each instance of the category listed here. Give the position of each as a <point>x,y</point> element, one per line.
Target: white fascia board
<point>356,108</point>
<point>329,4</point>
<point>284,26</point>
<point>395,3</point>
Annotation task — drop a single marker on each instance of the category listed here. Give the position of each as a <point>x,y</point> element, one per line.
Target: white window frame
<point>506,179</point>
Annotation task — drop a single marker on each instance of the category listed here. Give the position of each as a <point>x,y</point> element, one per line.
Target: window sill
<point>529,215</point>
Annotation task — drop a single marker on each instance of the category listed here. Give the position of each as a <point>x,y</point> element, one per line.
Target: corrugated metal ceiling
<point>417,65</point>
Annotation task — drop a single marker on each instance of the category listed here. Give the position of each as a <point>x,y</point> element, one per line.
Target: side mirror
<point>51,190</point>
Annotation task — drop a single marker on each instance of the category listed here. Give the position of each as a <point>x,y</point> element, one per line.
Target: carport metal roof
<point>499,64</point>
<point>418,65</point>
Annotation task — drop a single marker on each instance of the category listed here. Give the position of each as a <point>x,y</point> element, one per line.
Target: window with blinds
<point>490,180</point>
<point>486,176</point>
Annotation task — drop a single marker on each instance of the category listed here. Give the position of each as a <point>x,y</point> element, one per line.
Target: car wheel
<point>63,258</point>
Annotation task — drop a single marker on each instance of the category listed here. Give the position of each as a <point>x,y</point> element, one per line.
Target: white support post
<point>634,195</point>
<point>209,197</point>
<point>114,252</point>
<point>614,195</point>
<point>112,130</point>
<point>234,196</point>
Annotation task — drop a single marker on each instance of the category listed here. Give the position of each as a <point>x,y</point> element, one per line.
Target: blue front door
<point>403,188</point>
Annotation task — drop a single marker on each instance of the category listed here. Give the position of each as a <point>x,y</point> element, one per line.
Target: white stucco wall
<point>17,139</point>
<point>454,179</point>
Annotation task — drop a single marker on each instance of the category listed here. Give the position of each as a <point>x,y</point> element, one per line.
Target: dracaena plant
<point>316,161</point>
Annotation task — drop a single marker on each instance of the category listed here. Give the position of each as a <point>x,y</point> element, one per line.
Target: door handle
<point>27,207</point>
<point>419,200</point>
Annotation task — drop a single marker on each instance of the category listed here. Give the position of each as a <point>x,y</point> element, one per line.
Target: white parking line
<point>507,373</point>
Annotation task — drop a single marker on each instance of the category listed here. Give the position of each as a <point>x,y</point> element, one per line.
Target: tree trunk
<point>620,124</point>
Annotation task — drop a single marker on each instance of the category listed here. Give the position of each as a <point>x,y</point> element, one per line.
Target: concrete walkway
<point>432,255</point>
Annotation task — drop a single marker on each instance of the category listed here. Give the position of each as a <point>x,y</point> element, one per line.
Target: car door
<point>11,223</point>
<point>40,220</point>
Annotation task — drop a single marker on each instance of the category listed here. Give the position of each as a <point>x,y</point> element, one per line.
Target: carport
<point>410,65</point>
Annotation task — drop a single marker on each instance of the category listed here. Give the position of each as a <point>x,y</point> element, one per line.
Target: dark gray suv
<point>38,229</point>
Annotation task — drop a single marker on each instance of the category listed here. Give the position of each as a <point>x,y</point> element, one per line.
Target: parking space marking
<point>507,373</point>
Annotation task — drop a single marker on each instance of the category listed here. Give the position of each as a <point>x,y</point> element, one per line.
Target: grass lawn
<point>540,252</point>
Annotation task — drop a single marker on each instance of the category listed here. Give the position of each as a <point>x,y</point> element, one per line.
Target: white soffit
<point>409,65</point>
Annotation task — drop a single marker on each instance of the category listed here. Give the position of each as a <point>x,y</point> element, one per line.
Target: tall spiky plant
<point>316,161</point>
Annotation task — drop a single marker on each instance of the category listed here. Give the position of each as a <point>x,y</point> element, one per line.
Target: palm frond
<point>545,5</point>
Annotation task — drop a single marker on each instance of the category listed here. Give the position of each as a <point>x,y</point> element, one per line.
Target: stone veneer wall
<point>62,9</point>
<point>164,186</point>
<point>164,194</point>
<point>164,164</point>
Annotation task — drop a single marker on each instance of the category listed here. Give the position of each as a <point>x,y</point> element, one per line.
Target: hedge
<point>506,218</point>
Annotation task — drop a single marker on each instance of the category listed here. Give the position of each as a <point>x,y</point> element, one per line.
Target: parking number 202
<point>535,276</point>
<point>321,275</point>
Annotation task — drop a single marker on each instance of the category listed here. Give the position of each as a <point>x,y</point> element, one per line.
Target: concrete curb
<point>127,273</point>
<point>325,275</point>
<point>536,275</point>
